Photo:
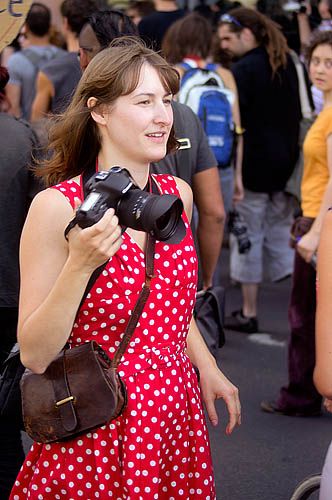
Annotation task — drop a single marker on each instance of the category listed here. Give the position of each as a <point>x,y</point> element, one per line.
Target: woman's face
<point>321,67</point>
<point>324,9</point>
<point>139,124</point>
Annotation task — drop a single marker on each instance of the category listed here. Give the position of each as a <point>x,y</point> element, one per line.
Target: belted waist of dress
<point>155,357</point>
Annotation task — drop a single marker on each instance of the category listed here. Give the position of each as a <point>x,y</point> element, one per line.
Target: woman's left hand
<point>215,385</point>
<point>328,404</point>
<point>308,245</point>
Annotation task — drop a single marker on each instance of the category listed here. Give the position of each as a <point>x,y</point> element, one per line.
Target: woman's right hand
<point>91,247</point>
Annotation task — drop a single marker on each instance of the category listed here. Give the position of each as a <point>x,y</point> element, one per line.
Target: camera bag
<point>209,314</point>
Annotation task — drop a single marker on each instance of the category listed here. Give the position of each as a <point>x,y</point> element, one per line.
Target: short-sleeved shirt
<point>316,172</point>
<point>64,72</point>
<point>23,67</point>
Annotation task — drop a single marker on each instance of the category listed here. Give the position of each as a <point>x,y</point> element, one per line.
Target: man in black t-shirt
<point>267,84</point>
<point>153,27</point>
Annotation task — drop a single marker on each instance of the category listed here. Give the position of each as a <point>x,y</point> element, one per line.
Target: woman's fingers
<point>99,242</point>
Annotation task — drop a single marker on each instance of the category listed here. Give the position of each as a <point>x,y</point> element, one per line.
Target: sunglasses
<point>88,49</point>
<point>226,18</point>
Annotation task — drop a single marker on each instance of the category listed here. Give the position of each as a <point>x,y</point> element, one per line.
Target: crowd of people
<point>105,89</point>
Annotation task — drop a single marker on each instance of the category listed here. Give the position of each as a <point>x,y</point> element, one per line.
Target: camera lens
<point>159,215</point>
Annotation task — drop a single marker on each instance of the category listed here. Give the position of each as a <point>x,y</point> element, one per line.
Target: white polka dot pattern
<point>159,447</point>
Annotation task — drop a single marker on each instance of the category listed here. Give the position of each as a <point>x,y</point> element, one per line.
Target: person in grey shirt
<point>23,66</point>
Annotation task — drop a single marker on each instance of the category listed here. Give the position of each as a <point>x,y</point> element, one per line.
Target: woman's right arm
<point>54,274</point>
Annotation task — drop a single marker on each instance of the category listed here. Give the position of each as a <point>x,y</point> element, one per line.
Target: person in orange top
<point>300,396</point>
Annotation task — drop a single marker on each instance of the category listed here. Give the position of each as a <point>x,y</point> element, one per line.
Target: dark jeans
<point>300,393</point>
<point>11,449</point>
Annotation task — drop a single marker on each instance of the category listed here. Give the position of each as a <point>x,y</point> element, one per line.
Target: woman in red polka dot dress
<point>158,448</point>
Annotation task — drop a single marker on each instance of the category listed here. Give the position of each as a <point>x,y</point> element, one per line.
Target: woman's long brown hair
<point>74,137</point>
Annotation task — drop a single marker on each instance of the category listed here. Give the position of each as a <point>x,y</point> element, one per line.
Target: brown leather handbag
<point>81,389</point>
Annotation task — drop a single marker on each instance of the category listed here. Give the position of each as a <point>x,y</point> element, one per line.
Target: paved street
<point>269,454</point>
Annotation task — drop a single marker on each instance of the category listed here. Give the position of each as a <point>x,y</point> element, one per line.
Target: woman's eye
<point>168,100</point>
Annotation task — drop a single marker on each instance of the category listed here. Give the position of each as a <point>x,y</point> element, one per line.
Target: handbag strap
<point>139,306</point>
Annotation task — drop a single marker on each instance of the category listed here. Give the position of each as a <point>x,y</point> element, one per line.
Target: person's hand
<point>215,385</point>
<point>308,245</point>
<point>308,9</point>
<point>93,246</point>
<point>328,404</point>
<point>238,189</point>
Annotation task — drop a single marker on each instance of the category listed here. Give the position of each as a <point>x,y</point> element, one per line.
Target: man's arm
<point>211,221</point>
<point>13,92</point>
<point>42,102</point>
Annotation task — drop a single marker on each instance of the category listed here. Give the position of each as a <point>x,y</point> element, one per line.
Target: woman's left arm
<point>214,384</point>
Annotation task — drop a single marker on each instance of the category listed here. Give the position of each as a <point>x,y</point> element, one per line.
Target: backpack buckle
<point>184,143</point>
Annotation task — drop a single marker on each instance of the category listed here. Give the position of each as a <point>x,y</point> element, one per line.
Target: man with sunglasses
<point>58,79</point>
<point>267,84</point>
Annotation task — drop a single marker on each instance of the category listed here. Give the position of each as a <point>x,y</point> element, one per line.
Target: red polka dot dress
<point>159,447</point>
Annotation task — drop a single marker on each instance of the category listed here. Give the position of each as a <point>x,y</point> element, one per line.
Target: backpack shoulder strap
<point>39,59</point>
<point>32,56</point>
<point>181,156</point>
<point>211,66</point>
<point>189,63</point>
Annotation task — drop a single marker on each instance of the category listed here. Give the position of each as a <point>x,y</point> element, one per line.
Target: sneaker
<point>237,321</point>
<point>272,407</point>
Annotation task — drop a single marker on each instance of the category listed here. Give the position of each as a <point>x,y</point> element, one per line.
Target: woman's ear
<point>98,113</point>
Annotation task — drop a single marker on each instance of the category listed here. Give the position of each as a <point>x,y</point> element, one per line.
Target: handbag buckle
<point>63,401</point>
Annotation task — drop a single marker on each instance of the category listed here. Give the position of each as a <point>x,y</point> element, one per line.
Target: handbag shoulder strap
<point>139,306</point>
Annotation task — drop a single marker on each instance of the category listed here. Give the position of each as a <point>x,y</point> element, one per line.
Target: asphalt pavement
<point>268,455</point>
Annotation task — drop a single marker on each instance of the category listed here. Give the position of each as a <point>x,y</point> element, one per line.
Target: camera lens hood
<point>177,232</point>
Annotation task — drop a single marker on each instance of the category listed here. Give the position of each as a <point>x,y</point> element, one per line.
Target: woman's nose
<point>163,113</point>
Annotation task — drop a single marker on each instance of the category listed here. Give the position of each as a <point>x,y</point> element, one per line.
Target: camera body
<point>238,227</point>
<point>159,215</point>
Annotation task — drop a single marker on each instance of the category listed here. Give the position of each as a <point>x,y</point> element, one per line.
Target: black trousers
<point>11,449</point>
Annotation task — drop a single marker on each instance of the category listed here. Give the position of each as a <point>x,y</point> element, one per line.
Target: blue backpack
<point>204,92</point>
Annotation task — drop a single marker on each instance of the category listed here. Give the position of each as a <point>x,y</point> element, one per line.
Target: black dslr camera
<point>238,227</point>
<point>159,215</point>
